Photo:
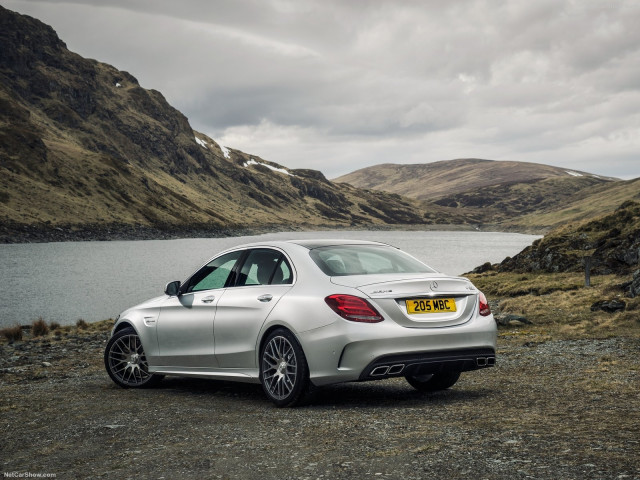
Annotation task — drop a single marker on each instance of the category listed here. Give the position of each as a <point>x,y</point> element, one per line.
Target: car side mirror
<point>172,289</point>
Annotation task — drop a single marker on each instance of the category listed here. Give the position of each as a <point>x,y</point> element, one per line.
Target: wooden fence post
<point>587,271</point>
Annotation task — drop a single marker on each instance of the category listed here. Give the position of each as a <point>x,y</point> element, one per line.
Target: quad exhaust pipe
<point>387,370</point>
<point>429,363</point>
<point>384,370</point>
<point>486,361</point>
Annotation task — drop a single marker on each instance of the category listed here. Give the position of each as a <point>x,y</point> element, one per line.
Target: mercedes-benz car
<point>295,315</point>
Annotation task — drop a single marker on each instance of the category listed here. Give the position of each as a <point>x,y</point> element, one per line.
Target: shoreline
<point>19,234</point>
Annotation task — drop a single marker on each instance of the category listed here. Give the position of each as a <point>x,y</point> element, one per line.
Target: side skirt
<point>228,374</point>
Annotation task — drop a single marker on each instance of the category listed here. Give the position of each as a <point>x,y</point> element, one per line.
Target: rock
<point>633,288</point>
<point>485,267</point>
<point>609,306</point>
<point>511,319</point>
<point>46,364</point>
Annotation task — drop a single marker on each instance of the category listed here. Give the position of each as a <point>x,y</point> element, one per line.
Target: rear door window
<point>264,266</point>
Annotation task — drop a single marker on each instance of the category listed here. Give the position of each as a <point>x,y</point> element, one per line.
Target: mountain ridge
<point>432,181</point>
<point>86,152</point>
<point>505,195</point>
<point>83,145</point>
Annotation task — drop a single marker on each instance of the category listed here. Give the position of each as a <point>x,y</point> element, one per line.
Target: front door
<point>185,324</point>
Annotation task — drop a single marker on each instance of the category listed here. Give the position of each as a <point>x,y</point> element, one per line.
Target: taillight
<point>484,309</point>
<point>352,308</point>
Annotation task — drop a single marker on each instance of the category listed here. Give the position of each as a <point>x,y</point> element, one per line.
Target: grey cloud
<point>345,84</point>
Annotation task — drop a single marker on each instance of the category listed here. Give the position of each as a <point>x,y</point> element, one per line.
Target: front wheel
<point>284,373</point>
<point>126,362</point>
<point>433,383</point>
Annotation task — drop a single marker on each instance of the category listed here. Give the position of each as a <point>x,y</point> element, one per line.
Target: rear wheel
<point>433,382</point>
<point>126,362</point>
<point>284,373</point>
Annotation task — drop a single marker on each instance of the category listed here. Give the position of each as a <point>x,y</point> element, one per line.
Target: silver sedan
<point>292,315</point>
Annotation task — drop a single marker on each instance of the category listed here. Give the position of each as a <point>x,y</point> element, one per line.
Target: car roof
<point>318,243</point>
<point>309,244</point>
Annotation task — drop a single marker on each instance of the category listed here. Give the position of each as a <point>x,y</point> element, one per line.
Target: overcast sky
<point>338,85</point>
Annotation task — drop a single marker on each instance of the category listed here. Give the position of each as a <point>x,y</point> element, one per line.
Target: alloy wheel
<point>279,368</point>
<point>126,361</point>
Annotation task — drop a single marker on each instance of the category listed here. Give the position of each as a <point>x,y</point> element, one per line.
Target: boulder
<point>609,306</point>
<point>509,319</point>
<point>485,267</point>
<point>633,287</point>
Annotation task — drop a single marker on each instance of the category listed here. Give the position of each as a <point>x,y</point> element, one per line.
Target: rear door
<point>262,280</point>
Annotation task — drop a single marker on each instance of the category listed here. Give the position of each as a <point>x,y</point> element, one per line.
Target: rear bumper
<point>429,363</point>
<point>347,351</point>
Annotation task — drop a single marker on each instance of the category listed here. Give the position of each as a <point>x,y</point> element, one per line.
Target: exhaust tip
<point>395,369</point>
<point>485,361</point>
<point>379,371</point>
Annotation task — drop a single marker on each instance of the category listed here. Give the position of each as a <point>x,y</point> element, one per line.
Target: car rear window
<point>342,260</point>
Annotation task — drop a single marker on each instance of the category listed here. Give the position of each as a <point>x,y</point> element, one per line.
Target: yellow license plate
<point>430,305</point>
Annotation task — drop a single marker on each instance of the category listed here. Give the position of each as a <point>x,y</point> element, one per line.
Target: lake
<point>66,281</point>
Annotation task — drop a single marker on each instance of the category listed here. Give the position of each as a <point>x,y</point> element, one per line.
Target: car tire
<point>126,362</point>
<point>433,383</point>
<point>284,373</point>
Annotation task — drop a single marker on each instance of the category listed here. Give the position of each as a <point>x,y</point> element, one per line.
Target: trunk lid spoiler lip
<point>357,281</point>
<point>399,286</point>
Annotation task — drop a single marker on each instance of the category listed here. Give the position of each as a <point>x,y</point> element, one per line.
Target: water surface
<point>66,281</point>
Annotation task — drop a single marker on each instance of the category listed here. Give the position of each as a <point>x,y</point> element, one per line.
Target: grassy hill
<point>544,285</point>
<point>446,179</point>
<point>584,205</point>
<point>506,195</point>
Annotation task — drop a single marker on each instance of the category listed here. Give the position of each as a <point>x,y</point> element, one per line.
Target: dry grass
<point>560,304</point>
<point>54,330</point>
<point>39,328</point>
<point>101,326</point>
<point>602,200</point>
<point>518,284</point>
<point>12,334</point>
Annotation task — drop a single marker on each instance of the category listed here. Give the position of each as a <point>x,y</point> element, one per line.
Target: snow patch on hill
<point>251,161</point>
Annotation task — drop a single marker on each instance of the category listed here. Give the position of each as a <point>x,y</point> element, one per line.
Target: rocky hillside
<point>84,147</point>
<point>612,241</point>
<point>576,206</point>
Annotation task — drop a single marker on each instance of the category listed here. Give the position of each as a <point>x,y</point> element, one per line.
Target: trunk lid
<point>433,295</point>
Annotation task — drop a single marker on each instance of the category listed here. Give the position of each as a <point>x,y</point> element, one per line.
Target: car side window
<point>214,274</point>
<point>283,274</point>
<point>264,267</point>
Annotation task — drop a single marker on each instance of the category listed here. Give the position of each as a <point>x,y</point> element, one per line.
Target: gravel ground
<point>550,410</point>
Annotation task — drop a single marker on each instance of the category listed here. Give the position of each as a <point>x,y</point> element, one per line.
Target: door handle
<point>208,299</point>
<point>265,298</point>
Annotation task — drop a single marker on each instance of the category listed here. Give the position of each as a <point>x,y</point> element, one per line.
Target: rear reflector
<point>354,309</point>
